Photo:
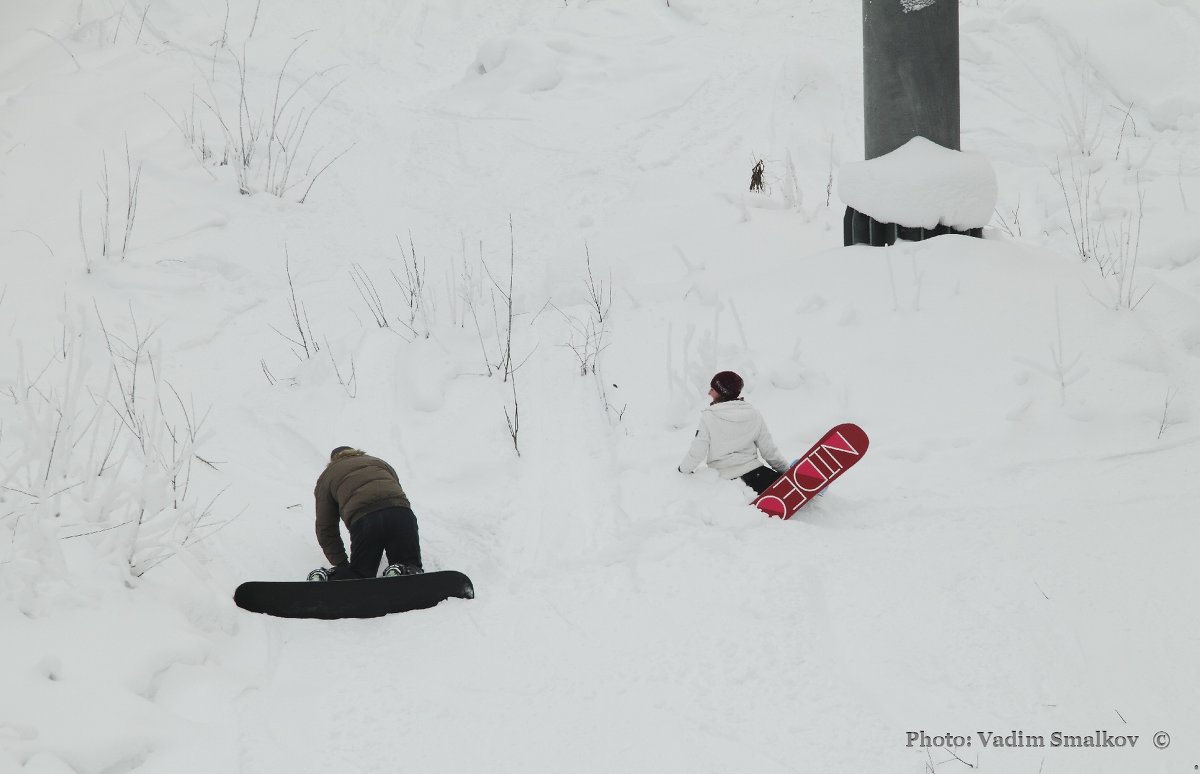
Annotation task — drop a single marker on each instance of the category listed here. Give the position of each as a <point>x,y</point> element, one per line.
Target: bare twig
<point>506,295</point>
<point>1078,202</point>
<point>304,339</point>
<point>87,261</point>
<point>138,39</point>
<point>97,531</point>
<point>469,293</point>
<point>61,45</point>
<point>1077,121</point>
<point>1124,122</point>
<point>313,180</point>
<point>224,40</point>
<point>1129,261</point>
<point>117,29</point>
<point>369,294</point>
<point>1013,230</point>
<point>127,413</point>
<point>105,249</point>
<point>514,420</point>
<point>254,23</point>
<point>1162,425</point>
<point>53,446</point>
<point>413,288</point>
<point>599,293</point>
<point>349,384</point>
<point>35,235</point>
<point>507,367</point>
<point>134,182</point>
<point>1062,369</point>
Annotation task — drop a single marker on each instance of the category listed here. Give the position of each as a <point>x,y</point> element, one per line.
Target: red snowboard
<point>841,447</point>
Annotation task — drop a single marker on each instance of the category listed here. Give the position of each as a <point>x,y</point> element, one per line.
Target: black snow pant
<point>760,478</point>
<point>392,531</point>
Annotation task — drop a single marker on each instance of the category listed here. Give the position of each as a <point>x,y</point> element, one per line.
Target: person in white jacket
<point>733,438</point>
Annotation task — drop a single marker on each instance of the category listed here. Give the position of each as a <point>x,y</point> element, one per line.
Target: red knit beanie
<point>727,384</point>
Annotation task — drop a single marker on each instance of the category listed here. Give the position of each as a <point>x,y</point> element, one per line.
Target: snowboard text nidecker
<point>840,448</point>
<point>365,598</point>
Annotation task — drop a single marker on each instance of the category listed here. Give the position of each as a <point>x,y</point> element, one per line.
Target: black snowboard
<point>366,598</point>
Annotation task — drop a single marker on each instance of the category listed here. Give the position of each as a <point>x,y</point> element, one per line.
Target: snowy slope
<point>1012,555</point>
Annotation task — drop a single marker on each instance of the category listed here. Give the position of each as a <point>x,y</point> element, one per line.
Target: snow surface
<point>1016,551</point>
<point>921,184</point>
<point>916,5</point>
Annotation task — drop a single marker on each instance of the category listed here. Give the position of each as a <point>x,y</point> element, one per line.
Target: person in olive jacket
<point>364,492</point>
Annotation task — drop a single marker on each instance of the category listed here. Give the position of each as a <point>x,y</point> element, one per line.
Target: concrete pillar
<point>910,73</point>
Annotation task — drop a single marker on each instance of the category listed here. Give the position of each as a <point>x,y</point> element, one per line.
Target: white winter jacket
<point>732,434</point>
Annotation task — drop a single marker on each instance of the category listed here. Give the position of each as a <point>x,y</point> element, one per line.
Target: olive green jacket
<point>351,486</point>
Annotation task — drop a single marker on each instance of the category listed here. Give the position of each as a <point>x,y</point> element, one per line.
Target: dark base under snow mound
<point>860,229</point>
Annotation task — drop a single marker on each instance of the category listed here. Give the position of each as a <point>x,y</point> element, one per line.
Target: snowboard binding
<point>397,570</point>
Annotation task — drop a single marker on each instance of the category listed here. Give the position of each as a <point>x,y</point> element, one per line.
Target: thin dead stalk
<point>304,339</point>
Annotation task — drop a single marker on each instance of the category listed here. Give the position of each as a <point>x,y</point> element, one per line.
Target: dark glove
<point>342,571</point>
